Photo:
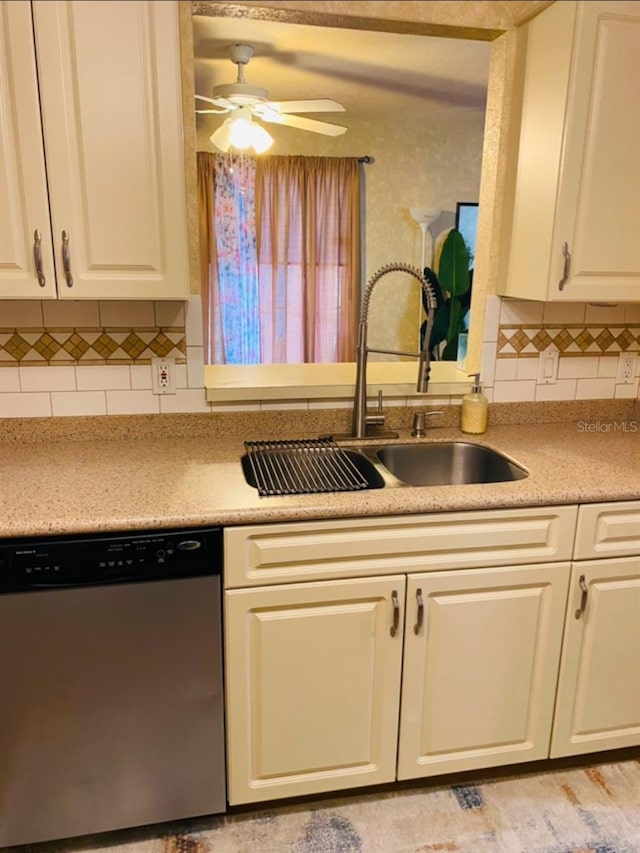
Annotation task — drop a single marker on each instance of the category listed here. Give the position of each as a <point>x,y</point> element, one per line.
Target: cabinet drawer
<point>608,530</point>
<point>300,551</point>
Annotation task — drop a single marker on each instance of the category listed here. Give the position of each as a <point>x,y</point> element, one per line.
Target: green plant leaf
<point>440,328</point>
<point>450,352</point>
<point>465,298</point>
<point>452,287</point>
<point>455,319</point>
<point>453,272</point>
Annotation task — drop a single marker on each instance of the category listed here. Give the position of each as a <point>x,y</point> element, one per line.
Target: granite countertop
<point>134,482</point>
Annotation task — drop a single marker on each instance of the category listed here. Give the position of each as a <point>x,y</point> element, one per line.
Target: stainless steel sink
<point>307,467</point>
<point>446,463</point>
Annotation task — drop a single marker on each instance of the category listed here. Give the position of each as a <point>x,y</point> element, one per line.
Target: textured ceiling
<point>374,75</point>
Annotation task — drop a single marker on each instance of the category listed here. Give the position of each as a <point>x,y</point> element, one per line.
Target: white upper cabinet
<point>92,153</point>
<point>575,182</point>
<point>24,207</point>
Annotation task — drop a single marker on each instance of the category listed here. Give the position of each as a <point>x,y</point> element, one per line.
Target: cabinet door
<point>313,685</point>
<point>24,208</point>
<point>598,703</point>
<point>577,174</point>
<point>599,196</point>
<point>109,78</point>
<point>480,667</point>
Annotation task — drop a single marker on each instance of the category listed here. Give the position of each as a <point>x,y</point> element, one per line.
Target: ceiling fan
<point>244,103</point>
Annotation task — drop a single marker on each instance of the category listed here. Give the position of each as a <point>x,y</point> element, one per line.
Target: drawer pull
<point>396,613</point>
<point>567,266</point>
<point>37,257</point>
<point>66,259</point>
<point>420,617</point>
<point>583,597</point>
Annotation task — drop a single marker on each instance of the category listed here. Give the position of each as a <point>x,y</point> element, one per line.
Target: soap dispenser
<point>475,409</point>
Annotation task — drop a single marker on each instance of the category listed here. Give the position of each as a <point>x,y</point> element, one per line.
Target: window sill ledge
<point>233,383</point>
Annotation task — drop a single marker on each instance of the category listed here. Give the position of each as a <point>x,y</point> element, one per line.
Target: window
<point>280,240</point>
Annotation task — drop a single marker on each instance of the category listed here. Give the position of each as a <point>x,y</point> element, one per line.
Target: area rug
<point>593,809</point>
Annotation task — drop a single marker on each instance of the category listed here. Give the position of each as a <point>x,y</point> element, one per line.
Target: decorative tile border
<point>522,341</point>
<point>90,346</point>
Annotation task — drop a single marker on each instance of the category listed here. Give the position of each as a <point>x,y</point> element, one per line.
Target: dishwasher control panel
<point>99,559</point>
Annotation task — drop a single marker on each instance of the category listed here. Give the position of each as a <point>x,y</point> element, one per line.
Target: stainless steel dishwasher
<point>111,700</point>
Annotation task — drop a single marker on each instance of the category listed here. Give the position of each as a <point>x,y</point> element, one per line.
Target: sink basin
<point>447,463</point>
<point>290,468</point>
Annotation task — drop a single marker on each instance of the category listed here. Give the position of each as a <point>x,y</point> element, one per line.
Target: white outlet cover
<point>548,366</point>
<point>163,375</point>
<point>627,363</point>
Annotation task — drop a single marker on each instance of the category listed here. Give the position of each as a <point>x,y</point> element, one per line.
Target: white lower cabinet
<point>362,651</point>
<point>481,654</point>
<point>598,703</point>
<point>415,669</point>
<point>313,686</point>
<point>314,673</point>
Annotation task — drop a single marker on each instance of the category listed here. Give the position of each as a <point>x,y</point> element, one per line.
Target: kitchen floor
<point>587,809</point>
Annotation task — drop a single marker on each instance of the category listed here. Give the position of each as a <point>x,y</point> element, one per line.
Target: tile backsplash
<point>588,340</point>
<point>99,345</point>
<point>93,358</point>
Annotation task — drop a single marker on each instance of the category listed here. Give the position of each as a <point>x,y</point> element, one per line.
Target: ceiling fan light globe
<point>241,133</point>
<point>221,137</point>
<point>262,140</point>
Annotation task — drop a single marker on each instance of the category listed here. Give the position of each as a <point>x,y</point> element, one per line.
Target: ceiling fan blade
<point>206,112</point>
<point>314,105</point>
<point>217,102</point>
<point>208,100</point>
<point>302,123</point>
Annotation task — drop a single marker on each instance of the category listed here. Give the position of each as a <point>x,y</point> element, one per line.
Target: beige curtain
<point>308,239</point>
<point>307,215</point>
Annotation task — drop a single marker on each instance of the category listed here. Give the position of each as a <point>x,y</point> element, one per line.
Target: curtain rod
<point>366,159</point>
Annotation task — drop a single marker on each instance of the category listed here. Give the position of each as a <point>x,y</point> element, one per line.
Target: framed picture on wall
<point>467,225</point>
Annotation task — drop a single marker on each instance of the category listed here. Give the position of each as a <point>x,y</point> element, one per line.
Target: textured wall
<point>434,168</point>
<point>488,14</point>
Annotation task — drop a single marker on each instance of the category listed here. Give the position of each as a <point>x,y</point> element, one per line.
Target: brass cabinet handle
<point>420,617</point>
<point>567,266</point>
<point>396,613</point>
<point>66,259</point>
<point>37,257</point>
<point>583,597</point>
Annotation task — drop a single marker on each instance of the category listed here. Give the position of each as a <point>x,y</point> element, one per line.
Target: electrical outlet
<point>626,368</point>
<point>163,380</point>
<point>548,366</point>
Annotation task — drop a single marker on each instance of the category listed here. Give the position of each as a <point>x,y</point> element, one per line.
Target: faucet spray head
<point>360,397</point>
